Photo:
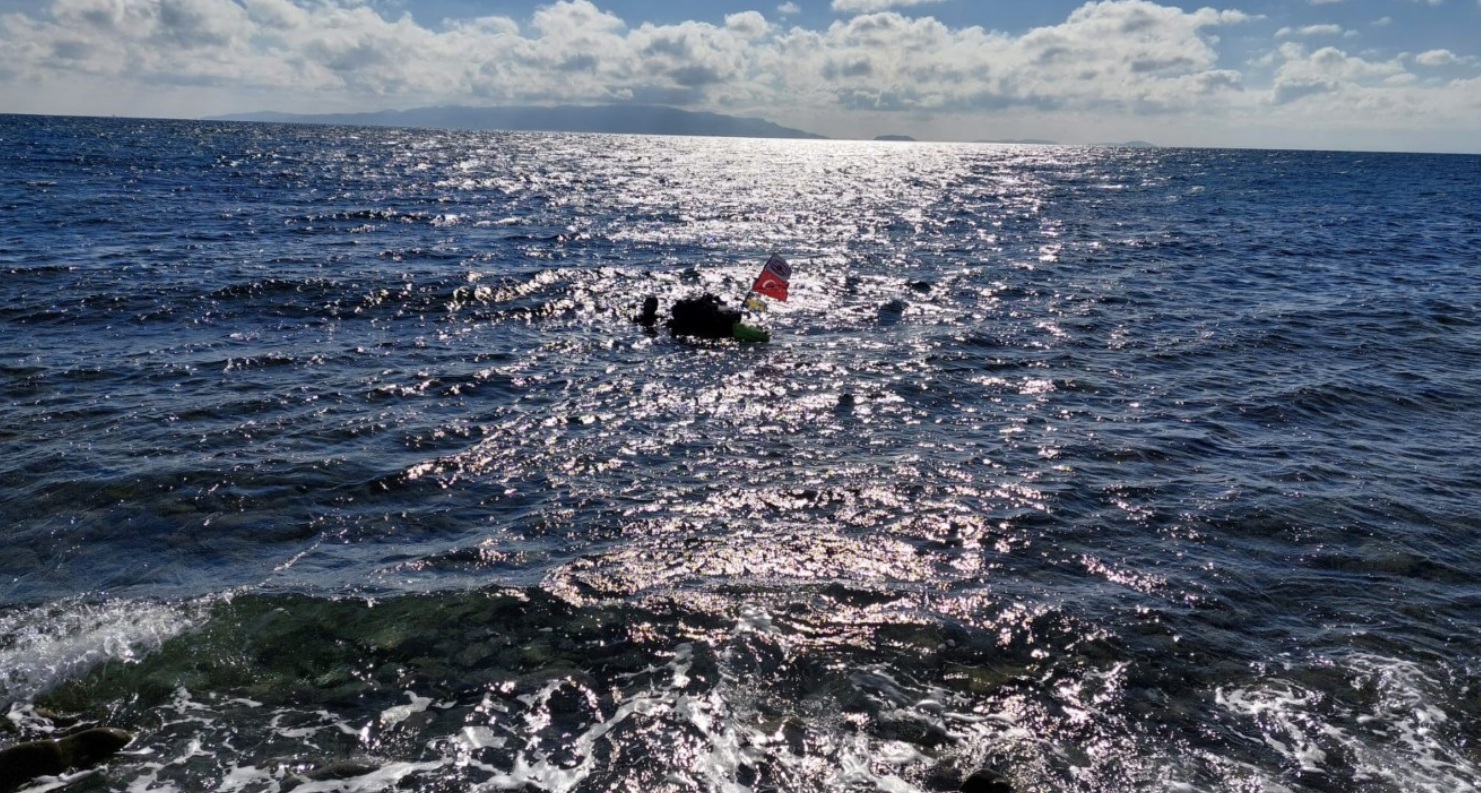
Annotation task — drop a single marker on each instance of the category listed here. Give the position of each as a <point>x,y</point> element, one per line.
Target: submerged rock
<point>347,768</point>
<point>891,313</point>
<point>63,720</point>
<point>24,762</point>
<point>986,781</point>
<point>297,772</point>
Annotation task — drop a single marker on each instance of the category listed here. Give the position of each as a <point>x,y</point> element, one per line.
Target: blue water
<point>1103,469</point>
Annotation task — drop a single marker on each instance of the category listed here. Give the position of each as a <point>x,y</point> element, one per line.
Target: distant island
<point>896,138</point>
<point>621,119</point>
<point>1027,141</point>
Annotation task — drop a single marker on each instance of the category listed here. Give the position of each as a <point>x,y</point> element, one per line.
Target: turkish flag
<point>773,279</point>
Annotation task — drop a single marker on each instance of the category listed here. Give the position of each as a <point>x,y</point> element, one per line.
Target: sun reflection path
<point>918,421</point>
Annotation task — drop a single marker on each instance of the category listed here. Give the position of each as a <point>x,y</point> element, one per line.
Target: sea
<point>332,459</point>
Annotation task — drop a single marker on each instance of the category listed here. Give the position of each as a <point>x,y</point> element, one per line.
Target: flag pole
<point>772,282</point>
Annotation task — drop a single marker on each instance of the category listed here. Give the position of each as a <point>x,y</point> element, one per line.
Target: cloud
<point>1290,89</point>
<point>788,9</point>
<point>1111,59</point>
<point>1331,95</point>
<point>1309,31</point>
<point>1133,55</point>
<point>871,6</point>
<point>1347,81</point>
<point>749,24</point>
<point>1436,58</point>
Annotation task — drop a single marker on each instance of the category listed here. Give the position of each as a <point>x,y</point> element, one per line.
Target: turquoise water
<point>1106,469</point>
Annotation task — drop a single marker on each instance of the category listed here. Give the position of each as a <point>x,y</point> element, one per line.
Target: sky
<point>1381,75</point>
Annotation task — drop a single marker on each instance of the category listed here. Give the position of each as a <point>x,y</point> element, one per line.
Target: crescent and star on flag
<point>772,282</point>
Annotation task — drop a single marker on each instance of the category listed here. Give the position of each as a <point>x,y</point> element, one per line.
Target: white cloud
<point>871,6</point>
<point>1134,55</point>
<point>790,9</point>
<point>276,14</point>
<point>749,24</point>
<point>559,19</point>
<point>1114,59</point>
<point>1332,81</point>
<point>1436,58</point>
<point>1309,31</point>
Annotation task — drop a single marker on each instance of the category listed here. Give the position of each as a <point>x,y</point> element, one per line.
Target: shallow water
<point>1106,469</point>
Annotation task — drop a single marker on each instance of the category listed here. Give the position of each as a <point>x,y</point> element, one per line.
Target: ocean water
<point>332,460</point>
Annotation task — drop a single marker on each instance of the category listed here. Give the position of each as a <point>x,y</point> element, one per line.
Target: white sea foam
<point>725,734</point>
<point>44,646</point>
<point>1397,736</point>
<point>726,730</point>
<point>400,713</point>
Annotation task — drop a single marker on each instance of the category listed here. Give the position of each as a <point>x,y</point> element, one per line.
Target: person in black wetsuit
<point>704,317</point>
<point>649,317</point>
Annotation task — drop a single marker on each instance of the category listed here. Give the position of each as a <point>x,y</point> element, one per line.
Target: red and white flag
<point>773,279</point>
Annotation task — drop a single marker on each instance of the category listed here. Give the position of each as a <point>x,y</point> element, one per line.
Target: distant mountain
<point>896,138</point>
<point>1034,141</point>
<point>630,119</point>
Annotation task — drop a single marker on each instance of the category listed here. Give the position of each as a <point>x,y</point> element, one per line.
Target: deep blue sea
<point>332,460</point>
